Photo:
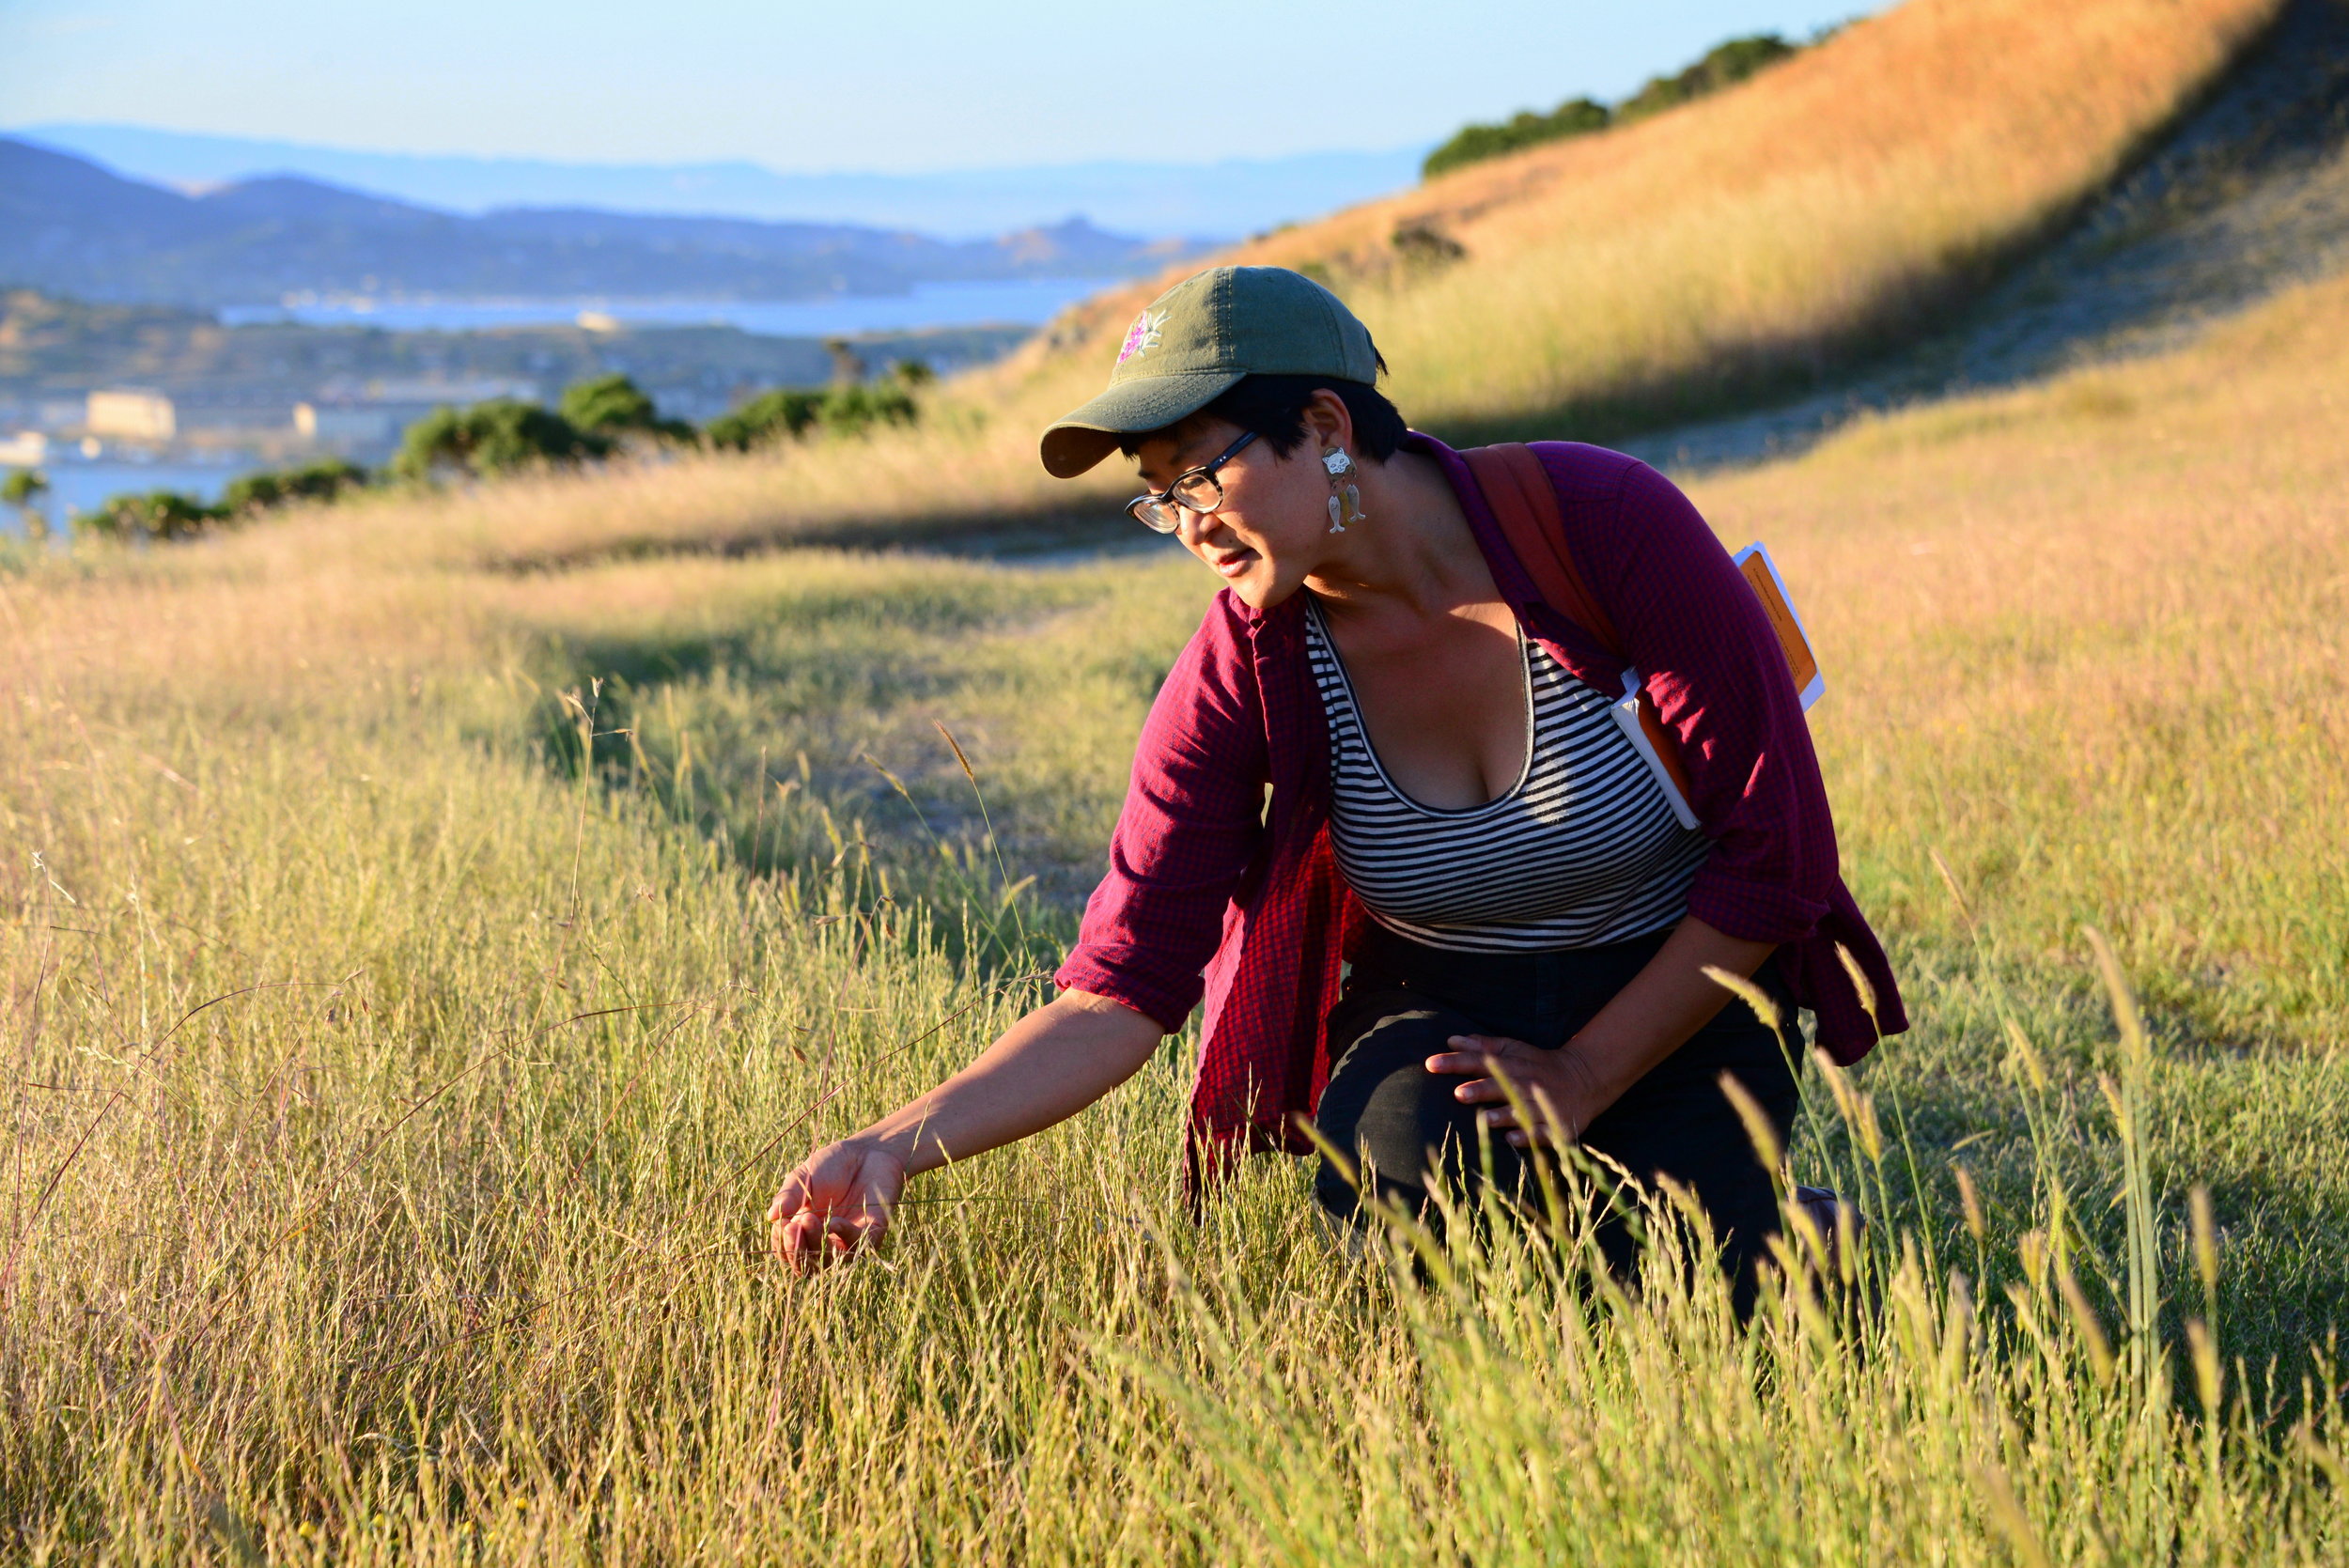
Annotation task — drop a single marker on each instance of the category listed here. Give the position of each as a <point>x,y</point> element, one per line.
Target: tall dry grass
<point>2092,637</point>
<point>394,1075</point>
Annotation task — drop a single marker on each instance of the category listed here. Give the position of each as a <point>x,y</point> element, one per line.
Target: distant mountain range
<point>70,225</point>
<point>1229,199</point>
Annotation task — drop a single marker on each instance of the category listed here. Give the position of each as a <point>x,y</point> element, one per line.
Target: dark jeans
<point>1403,1002</point>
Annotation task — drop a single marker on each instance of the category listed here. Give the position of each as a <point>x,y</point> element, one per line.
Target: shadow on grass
<point>971,531</point>
<point>758,738</point>
<point>2252,1125</point>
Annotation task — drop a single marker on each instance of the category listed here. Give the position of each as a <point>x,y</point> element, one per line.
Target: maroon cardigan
<point>1214,889</point>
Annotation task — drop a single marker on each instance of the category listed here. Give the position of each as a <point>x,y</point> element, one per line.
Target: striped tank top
<point>1582,851</point>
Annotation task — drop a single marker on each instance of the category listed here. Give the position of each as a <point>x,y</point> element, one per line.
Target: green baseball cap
<point>1197,340</point>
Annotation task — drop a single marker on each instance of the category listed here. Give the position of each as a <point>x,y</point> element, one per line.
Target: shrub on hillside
<point>23,486</point>
<point>168,517</point>
<point>615,406</point>
<point>787,414</point>
<point>1473,143</point>
<point>324,480</point>
<point>1725,65</point>
<point>770,416</point>
<point>492,437</point>
<point>21,490</point>
<point>853,411</point>
<point>1425,247</point>
<point>159,516</point>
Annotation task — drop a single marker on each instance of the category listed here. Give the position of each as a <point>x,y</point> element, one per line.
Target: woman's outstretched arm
<point>1044,1068</point>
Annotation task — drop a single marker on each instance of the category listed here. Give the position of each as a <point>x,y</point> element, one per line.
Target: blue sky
<point>881,85</point>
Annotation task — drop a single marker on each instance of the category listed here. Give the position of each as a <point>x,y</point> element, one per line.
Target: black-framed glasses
<point>1194,489</point>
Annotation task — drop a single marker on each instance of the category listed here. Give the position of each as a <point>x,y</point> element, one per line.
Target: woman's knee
<point>1393,1118</point>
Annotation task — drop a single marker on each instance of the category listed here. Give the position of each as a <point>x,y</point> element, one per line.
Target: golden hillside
<point>1840,199</point>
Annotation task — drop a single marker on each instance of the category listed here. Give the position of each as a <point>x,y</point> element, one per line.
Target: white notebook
<point>1761,574</point>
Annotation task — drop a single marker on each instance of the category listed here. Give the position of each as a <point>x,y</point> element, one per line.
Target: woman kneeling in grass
<point>1467,877</point>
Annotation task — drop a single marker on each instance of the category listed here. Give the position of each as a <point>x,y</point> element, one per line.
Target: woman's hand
<point>1560,1091</point>
<point>1568,1089</point>
<point>837,1200</point>
<point>1051,1063</point>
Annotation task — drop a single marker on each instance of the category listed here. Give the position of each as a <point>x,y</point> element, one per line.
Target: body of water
<point>79,484</point>
<point>1020,301</point>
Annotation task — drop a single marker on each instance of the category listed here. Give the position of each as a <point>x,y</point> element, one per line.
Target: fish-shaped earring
<point>1349,509</point>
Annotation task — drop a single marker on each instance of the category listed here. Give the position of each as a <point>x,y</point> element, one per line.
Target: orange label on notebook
<point>1760,575</point>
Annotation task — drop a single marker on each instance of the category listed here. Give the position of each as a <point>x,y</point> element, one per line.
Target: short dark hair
<point>1273,407</point>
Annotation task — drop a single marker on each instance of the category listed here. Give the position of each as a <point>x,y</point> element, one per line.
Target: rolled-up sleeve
<point>1695,630</point>
<point>1191,826</point>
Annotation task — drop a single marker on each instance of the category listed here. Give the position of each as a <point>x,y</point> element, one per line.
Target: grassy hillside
<point>1728,248</point>
<point>392,1098</point>
<point>1735,244</point>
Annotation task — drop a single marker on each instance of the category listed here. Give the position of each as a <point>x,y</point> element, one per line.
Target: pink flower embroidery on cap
<point>1141,336</point>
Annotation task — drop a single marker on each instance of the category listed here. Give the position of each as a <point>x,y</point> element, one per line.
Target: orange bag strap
<point>1518,487</point>
<point>1521,496</point>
